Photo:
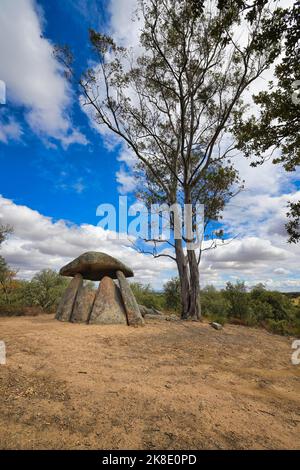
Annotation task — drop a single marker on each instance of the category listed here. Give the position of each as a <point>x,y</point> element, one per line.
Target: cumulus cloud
<point>10,129</point>
<point>257,216</point>
<point>249,250</point>
<point>122,27</point>
<point>126,181</point>
<point>39,242</point>
<point>254,260</point>
<point>33,77</point>
<point>281,271</point>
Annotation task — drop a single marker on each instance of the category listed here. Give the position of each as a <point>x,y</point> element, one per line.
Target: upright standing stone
<point>108,307</point>
<point>83,305</point>
<point>133,313</point>
<point>67,302</point>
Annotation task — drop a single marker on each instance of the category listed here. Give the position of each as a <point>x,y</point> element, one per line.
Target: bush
<point>172,295</point>
<point>146,296</point>
<point>236,295</point>
<point>44,290</point>
<point>269,309</point>
<point>280,327</point>
<point>15,311</point>
<point>214,305</point>
<point>259,311</point>
<point>280,306</point>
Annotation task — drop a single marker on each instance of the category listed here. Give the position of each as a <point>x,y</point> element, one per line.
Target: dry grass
<point>170,385</point>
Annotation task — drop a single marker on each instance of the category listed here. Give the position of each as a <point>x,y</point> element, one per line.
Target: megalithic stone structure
<point>66,305</point>
<point>83,305</point>
<point>134,316</point>
<point>108,307</point>
<point>111,304</point>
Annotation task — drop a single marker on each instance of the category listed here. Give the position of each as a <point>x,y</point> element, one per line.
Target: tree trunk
<point>195,306</point>
<point>183,278</point>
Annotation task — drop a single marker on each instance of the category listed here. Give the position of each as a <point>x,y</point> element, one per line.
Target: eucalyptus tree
<point>275,131</point>
<point>174,101</point>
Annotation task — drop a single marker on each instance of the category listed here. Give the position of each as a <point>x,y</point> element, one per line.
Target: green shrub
<point>15,311</point>
<point>44,290</point>
<point>279,327</point>
<point>214,305</point>
<point>269,309</point>
<point>172,295</point>
<point>146,296</point>
<point>280,307</point>
<point>259,311</point>
<point>236,295</point>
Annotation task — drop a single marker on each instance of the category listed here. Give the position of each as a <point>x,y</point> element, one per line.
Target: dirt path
<point>170,385</point>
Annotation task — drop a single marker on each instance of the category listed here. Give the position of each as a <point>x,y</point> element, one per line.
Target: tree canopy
<point>175,102</point>
<point>275,132</point>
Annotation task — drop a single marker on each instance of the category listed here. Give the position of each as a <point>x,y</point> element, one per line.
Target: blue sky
<point>56,168</point>
<point>79,176</point>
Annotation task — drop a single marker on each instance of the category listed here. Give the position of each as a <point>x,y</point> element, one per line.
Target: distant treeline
<point>292,295</point>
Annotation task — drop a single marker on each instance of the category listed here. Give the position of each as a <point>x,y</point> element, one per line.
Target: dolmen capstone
<point>112,303</point>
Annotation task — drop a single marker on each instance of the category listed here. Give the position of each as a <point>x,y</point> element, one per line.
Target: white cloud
<point>79,186</point>
<point>249,250</point>
<point>127,182</point>
<point>10,129</point>
<point>127,156</point>
<point>39,242</point>
<point>34,79</point>
<point>122,28</point>
<point>281,271</point>
<point>254,260</point>
<point>257,216</point>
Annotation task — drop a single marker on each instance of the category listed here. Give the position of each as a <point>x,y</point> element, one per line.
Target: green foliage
<point>146,296</point>
<point>214,305</point>
<point>273,304</point>
<point>5,230</point>
<point>236,294</point>
<point>277,327</point>
<point>44,290</point>
<point>278,125</point>
<point>260,310</point>
<point>3,267</point>
<point>259,307</point>
<point>172,294</point>
<point>174,104</point>
<point>293,224</point>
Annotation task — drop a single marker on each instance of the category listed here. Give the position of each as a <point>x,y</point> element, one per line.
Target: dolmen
<point>113,303</point>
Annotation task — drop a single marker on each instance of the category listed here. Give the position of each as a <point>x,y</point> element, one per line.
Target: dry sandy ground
<point>170,385</point>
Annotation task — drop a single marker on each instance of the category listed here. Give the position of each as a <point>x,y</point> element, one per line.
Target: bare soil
<point>169,385</point>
